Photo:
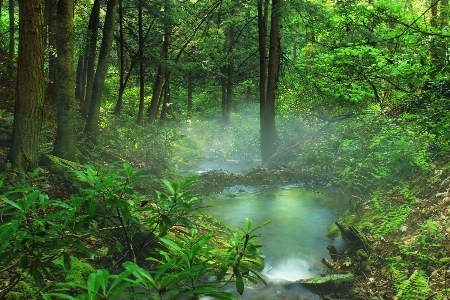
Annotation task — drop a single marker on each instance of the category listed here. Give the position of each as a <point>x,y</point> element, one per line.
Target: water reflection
<point>294,243</point>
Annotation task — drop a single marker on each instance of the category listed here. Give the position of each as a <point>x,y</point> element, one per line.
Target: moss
<point>347,219</point>
<point>23,290</point>
<point>78,273</point>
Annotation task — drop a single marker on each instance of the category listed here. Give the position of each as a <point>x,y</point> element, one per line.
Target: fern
<point>392,218</point>
<point>413,288</point>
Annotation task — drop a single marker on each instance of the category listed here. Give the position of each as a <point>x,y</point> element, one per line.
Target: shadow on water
<point>294,243</point>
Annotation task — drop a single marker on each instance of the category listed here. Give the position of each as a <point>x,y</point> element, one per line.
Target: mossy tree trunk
<point>64,146</point>
<point>28,113</point>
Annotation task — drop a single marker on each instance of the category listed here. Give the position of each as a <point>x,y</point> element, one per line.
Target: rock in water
<point>326,283</point>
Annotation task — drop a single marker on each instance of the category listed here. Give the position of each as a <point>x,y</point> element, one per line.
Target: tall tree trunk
<point>91,127</point>
<point>91,55</point>
<point>12,40</point>
<point>65,144</point>
<point>166,101</point>
<point>263,8</point>
<point>84,55</point>
<point>141,66</point>
<point>28,113</point>
<point>79,78</point>
<point>118,108</point>
<point>50,92</point>
<point>152,111</point>
<point>228,74</point>
<point>269,134</point>
<point>223,85</point>
<point>163,73</point>
<point>1,5</point>
<point>189,94</point>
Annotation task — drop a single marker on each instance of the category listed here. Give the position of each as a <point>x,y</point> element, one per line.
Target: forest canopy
<point>350,94</point>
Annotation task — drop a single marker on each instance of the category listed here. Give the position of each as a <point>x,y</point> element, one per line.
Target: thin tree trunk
<point>12,41</point>
<point>1,5</point>
<point>157,88</point>
<point>166,101</point>
<point>50,92</point>
<point>91,127</point>
<point>28,113</point>
<point>65,144</point>
<point>118,108</point>
<point>141,67</point>
<point>79,78</point>
<point>84,56</point>
<point>223,85</point>
<point>91,55</point>
<point>263,8</point>
<point>189,93</point>
<point>154,104</point>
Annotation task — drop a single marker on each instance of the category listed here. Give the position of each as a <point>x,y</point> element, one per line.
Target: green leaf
<point>6,233</point>
<point>58,295</point>
<point>170,244</point>
<point>162,269</point>
<point>103,278</point>
<point>24,261</point>
<point>119,246</point>
<point>67,261</point>
<point>166,220</point>
<point>12,203</point>
<point>90,207</point>
<point>261,225</point>
<point>38,278</point>
<point>83,249</point>
<point>128,169</point>
<point>92,285</point>
<point>248,224</point>
<point>239,282</point>
<point>190,181</point>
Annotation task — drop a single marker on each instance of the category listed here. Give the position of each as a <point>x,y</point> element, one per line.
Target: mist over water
<point>294,243</point>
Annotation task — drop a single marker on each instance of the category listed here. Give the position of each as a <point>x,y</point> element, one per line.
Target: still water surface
<point>294,243</point>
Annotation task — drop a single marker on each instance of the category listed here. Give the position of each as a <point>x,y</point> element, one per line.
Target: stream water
<point>294,243</point>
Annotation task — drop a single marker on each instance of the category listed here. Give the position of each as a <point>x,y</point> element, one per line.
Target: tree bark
<point>28,113</point>
<point>79,78</point>
<point>166,101</point>
<point>91,128</point>
<point>84,56</point>
<point>12,40</point>
<point>262,41</point>
<point>119,103</point>
<point>268,135</point>
<point>91,55</point>
<point>189,94</point>
<point>65,144</point>
<point>51,92</point>
<point>141,66</point>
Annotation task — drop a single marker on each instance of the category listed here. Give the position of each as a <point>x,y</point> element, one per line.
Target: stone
<point>326,283</point>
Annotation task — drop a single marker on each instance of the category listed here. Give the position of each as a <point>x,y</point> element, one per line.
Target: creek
<point>294,243</point>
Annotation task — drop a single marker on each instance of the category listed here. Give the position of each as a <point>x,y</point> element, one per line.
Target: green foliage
<point>35,232</point>
<point>152,145</point>
<point>74,270</point>
<point>42,238</point>
<point>392,217</point>
<point>412,288</point>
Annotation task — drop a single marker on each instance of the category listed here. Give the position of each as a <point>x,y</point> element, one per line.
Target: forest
<point>121,120</point>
